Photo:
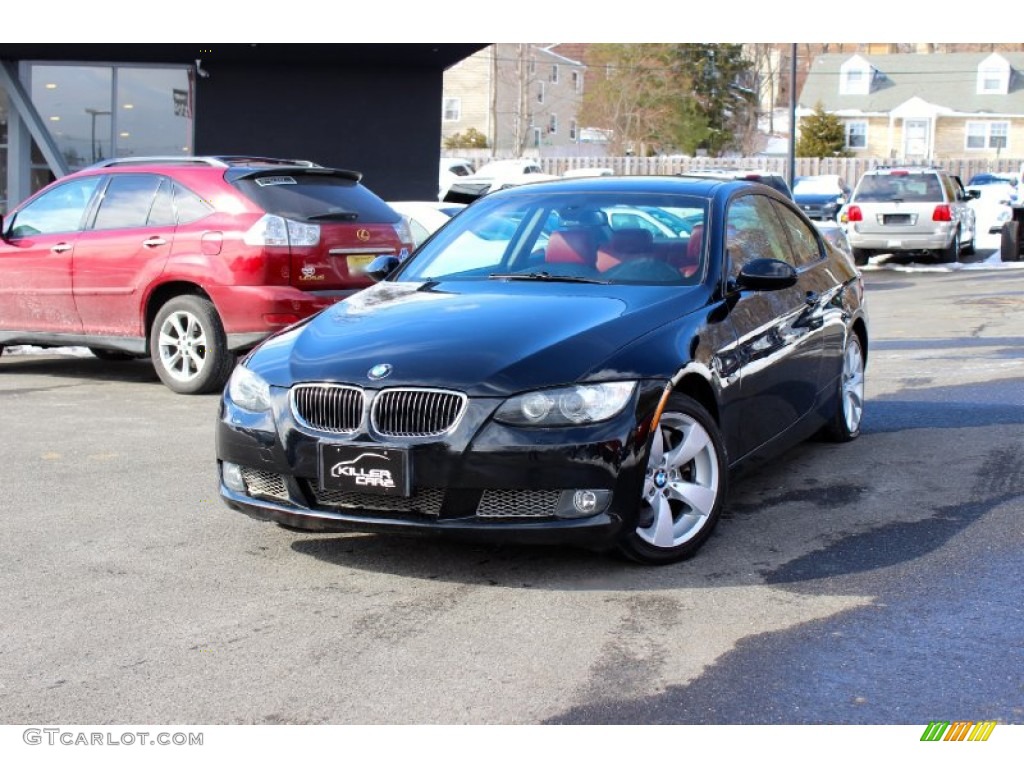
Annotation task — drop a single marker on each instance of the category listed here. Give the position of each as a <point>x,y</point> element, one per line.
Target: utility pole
<point>792,116</point>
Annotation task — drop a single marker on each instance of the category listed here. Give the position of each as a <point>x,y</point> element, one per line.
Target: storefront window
<point>98,112</point>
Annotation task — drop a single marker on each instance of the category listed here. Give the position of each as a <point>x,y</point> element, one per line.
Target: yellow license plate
<point>357,264</point>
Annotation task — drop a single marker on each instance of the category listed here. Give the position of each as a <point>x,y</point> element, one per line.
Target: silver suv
<point>908,210</point>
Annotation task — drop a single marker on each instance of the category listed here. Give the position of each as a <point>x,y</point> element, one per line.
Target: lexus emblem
<point>380,371</point>
<point>363,234</point>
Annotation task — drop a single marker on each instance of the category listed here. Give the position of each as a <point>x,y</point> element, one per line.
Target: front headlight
<point>248,390</point>
<point>566,406</point>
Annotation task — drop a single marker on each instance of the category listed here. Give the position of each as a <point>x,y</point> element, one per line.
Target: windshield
<point>908,188</point>
<point>607,237</point>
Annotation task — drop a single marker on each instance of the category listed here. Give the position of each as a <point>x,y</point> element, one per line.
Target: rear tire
<point>861,256</point>
<point>951,253</point>
<point>1009,241</point>
<point>849,410</point>
<point>189,347</point>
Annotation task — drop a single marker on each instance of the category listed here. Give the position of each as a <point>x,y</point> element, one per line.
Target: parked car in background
<point>425,217</point>
<point>821,197</point>
<point>911,209</point>
<point>451,170</point>
<point>580,173</point>
<point>834,233</point>
<point>187,260</point>
<point>770,178</point>
<point>562,388</point>
<point>992,205</point>
<point>982,179</point>
<point>495,175</point>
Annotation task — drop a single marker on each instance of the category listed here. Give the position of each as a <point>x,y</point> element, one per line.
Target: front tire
<point>189,347</point>
<point>684,486</point>
<point>849,410</point>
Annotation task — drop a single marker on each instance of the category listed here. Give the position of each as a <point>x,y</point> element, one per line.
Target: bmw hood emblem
<point>379,371</point>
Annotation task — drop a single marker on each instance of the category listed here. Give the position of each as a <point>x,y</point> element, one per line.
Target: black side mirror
<point>766,275</point>
<point>973,194</point>
<point>381,267</point>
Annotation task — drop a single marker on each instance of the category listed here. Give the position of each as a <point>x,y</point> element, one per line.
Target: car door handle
<point>153,242</point>
<point>60,248</point>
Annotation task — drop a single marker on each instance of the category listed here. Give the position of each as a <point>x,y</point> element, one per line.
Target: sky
<point>387,21</point>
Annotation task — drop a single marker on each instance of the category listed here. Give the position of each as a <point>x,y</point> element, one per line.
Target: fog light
<point>583,503</point>
<point>232,476</point>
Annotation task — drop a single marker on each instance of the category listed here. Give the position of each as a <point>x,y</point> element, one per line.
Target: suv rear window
<point>297,195</point>
<point>910,188</point>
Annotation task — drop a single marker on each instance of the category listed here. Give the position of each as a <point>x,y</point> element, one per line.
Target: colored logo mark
<point>960,730</point>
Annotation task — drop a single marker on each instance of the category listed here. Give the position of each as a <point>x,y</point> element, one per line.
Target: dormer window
<point>994,75</point>
<point>855,77</point>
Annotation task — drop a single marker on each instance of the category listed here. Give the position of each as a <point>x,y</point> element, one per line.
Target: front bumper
<point>484,481</point>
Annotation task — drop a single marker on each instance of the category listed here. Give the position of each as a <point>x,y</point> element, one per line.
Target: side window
<point>162,212</point>
<point>59,210</point>
<point>189,205</point>
<point>753,231</point>
<point>127,201</point>
<point>804,245</point>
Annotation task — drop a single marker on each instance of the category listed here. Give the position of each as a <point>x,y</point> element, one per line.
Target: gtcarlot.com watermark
<point>69,738</point>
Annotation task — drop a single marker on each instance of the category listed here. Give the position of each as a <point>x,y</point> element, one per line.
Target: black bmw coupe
<point>580,361</point>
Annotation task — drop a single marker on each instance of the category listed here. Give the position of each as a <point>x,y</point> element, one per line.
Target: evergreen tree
<point>821,135</point>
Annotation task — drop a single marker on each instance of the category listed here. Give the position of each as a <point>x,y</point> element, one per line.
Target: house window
<point>533,66</point>
<point>554,73</point>
<point>855,76</point>
<point>452,110</point>
<point>994,75</point>
<point>540,93</point>
<point>572,130</point>
<point>576,81</point>
<point>857,134</point>
<point>987,135</point>
<point>553,124</point>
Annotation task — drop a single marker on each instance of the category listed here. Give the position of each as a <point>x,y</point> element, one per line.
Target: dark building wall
<point>384,122</point>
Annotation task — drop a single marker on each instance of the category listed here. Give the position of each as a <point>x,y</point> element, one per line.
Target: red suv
<point>188,261</point>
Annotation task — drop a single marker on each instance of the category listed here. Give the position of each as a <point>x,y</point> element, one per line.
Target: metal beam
<point>23,107</point>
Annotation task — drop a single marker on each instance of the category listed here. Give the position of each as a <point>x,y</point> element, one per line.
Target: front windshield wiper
<point>334,216</point>
<point>544,277</point>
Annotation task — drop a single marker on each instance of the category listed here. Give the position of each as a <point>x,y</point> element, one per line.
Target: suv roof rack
<point>217,161</point>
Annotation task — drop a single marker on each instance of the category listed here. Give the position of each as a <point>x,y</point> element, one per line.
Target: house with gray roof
<point>922,107</point>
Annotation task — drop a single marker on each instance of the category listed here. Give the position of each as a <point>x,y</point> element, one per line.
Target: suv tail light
<point>404,232</point>
<point>277,230</point>
<point>942,213</point>
<point>853,213</point>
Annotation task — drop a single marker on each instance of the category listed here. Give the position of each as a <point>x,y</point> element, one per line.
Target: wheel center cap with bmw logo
<point>379,371</point>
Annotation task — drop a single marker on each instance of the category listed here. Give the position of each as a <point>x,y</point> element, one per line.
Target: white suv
<point>910,209</point>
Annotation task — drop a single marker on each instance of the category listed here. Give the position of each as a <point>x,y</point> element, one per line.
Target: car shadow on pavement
<point>797,520</point>
<point>72,367</point>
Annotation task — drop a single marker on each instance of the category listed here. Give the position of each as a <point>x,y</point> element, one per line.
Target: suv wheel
<point>188,346</point>
<point>951,252</point>
<point>1009,241</point>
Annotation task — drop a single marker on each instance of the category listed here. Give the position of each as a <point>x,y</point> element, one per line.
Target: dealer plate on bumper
<point>364,469</point>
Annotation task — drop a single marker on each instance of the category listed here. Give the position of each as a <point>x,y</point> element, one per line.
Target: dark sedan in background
<point>533,374</point>
<point>821,197</point>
